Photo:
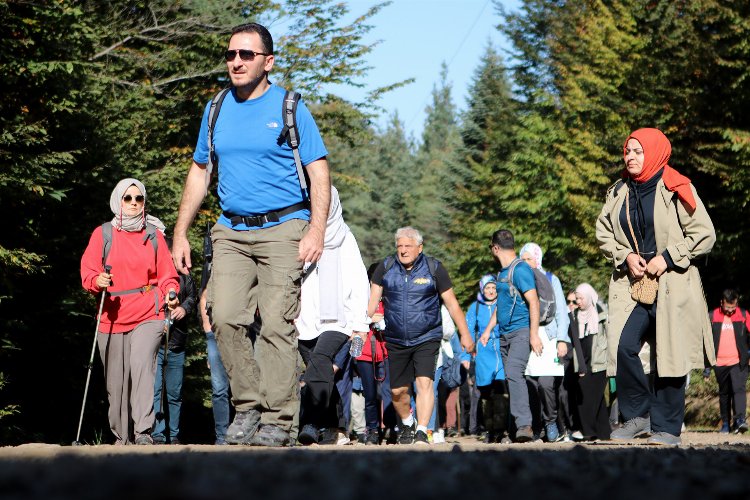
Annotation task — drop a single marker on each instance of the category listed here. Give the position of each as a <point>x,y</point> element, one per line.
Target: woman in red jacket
<point>132,323</point>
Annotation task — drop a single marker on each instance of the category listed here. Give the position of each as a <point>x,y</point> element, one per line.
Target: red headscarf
<point>656,152</point>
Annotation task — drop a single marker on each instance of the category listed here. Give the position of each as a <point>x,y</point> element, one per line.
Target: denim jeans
<point>377,399</point>
<point>173,378</point>
<point>219,388</point>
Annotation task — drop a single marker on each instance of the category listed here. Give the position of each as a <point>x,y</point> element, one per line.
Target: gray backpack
<point>544,290</point>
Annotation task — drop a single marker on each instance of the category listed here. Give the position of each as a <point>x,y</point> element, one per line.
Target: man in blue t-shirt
<point>517,318</point>
<point>267,230</point>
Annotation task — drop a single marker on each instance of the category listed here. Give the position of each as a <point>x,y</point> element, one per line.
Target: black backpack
<point>289,133</point>
<point>544,291</point>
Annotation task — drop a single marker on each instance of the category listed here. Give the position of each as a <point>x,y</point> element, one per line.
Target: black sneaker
<point>244,426</point>
<point>420,437</point>
<point>407,434</point>
<point>270,435</point>
<point>372,437</point>
<point>308,435</point>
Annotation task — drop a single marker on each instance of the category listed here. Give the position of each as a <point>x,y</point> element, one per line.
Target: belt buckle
<point>254,221</point>
<point>147,288</point>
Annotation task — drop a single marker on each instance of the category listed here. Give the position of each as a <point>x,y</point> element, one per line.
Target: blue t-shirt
<point>509,317</point>
<point>256,175</point>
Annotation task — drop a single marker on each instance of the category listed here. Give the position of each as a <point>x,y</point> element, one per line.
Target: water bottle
<point>356,348</point>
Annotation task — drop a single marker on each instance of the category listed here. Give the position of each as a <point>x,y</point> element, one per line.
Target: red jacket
<point>134,265</point>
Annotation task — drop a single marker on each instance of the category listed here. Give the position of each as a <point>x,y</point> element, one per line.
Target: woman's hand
<point>656,266</point>
<point>104,280</point>
<point>178,313</point>
<point>637,265</point>
<point>171,303</point>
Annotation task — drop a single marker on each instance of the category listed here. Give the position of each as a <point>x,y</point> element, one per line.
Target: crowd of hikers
<point>306,345</point>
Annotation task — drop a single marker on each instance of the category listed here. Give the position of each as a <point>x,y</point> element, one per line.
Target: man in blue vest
<point>412,286</point>
<point>269,227</point>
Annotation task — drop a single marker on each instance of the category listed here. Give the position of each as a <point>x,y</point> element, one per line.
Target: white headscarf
<point>535,251</point>
<point>329,266</point>
<point>131,223</point>
<point>588,316</point>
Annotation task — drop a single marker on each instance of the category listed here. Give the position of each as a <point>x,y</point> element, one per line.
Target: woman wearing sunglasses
<point>137,276</point>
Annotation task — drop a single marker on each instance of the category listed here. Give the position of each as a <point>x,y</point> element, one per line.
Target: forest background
<point>95,91</point>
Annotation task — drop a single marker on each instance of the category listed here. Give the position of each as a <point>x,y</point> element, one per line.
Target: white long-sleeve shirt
<point>355,292</point>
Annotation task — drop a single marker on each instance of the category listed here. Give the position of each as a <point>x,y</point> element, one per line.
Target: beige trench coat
<point>683,328</point>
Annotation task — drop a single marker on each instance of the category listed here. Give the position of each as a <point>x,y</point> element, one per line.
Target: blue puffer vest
<point>412,304</point>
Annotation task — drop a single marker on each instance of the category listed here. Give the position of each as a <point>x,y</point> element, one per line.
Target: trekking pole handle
<point>107,270</point>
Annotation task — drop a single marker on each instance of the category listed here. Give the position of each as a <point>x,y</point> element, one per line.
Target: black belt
<point>260,220</point>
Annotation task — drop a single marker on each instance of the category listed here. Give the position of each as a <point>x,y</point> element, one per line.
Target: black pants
<point>543,400</point>
<point>471,409</point>
<point>319,395</point>
<point>592,409</point>
<point>732,380</point>
<point>665,401</point>
<point>567,412</point>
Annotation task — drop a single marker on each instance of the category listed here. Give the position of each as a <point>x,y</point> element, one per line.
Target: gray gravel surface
<point>706,466</point>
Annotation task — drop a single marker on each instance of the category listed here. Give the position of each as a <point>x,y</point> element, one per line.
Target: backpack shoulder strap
<point>106,241</point>
<point>290,134</point>
<point>213,115</point>
<point>432,264</point>
<point>388,263</point>
<point>476,320</point>
<point>511,268</point>
<point>151,235</point>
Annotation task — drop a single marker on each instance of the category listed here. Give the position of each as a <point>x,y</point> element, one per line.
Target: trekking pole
<point>107,269</point>
<point>167,326</point>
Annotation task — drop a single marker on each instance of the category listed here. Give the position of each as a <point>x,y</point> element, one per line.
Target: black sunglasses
<point>571,302</point>
<point>139,198</point>
<point>245,54</point>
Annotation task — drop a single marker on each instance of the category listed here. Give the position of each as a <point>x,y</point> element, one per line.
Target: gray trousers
<point>543,397</point>
<point>515,349</point>
<point>258,270</point>
<point>129,361</point>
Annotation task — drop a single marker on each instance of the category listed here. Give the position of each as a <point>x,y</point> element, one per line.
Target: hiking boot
<point>143,439</point>
<point>740,425</point>
<point>270,435</point>
<point>553,435</point>
<point>420,438</point>
<point>406,436</point>
<point>244,426</point>
<point>664,438</point>
<point>308,435</point>
<point>524,434</point>
<point>372,437</point>
<point>633,428</point>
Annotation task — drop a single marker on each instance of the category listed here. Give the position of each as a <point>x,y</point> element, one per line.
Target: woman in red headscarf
<point>653,226</point>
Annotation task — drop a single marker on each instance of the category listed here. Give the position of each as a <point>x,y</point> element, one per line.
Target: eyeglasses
<point>138,198</point>
<point>245,54</point>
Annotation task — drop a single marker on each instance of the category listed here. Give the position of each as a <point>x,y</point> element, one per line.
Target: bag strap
<point>630,225</point>
<point>213,115</point>
<point>476,319</point>
<point>107,239</point>
<point>290,134</point>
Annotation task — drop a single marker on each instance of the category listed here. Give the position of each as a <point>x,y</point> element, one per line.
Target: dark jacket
<point>740,332</point>
<point>188,301</point>
<point>412,304</point>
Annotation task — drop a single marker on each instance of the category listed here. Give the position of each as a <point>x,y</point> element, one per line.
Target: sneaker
<point>438,437</point>
<point>740,426</point>
<point>633,428</point>
<point>390,436</point>
<point>361,438</point>
<point>420,438</point>
<point>143,439</point>
<point>221,442</point>
<point>372,437</point>
<point>270,435</point>
<point>553,435</point>
<point>174,441</point>
<point>333,437</point>
<point>308,435</point>
<point>158,439</point>
<point>724,428</point>
<point>577,436</point>
<point>451,432</point>
<point>664,438</point>
<point>244,426</point>
<point>524,434</point>
<point>407,434</point>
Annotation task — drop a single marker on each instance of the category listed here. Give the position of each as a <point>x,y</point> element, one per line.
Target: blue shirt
<point>256,175</point>
<point>510,316</point>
